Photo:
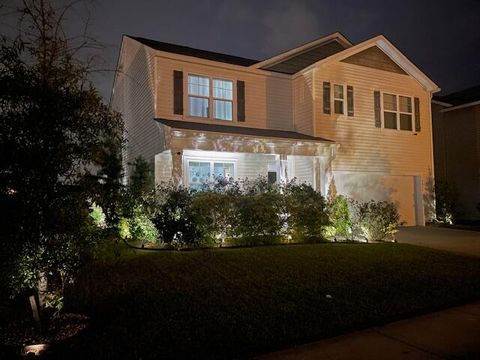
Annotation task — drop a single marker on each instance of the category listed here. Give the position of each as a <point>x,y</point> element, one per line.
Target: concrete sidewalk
<point>448,334</point>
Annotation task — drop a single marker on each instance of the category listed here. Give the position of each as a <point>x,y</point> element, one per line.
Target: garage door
<point>364,187</point>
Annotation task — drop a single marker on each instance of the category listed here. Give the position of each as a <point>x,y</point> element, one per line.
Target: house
<point>354,118</point>
<point>456,136</point>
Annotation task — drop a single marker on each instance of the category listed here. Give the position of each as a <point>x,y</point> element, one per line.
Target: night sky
<point>441,37</point>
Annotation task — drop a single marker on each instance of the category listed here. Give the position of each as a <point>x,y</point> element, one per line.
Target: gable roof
<point>294,60</point>
<point>198,53</point>
<point>391,51</point>
<point>461,97</point>
<point>239,130</point>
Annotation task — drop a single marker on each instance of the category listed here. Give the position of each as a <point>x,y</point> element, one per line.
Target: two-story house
<point>354,118</point>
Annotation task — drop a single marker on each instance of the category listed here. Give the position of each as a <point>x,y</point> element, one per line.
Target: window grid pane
<point>338,104</point>
<point>198,106</point>
<point>405,104</point>
<point>390,102</point>
<point>198,174</point>
<point>222,109</point>
<point>199,85</point>
<point>223,170</point>
<point>338,91</point>
<point>405,122</point>
<point>390,120</point>
<point>223,89</point>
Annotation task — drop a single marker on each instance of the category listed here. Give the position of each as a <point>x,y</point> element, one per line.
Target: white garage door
<point>364,187</point>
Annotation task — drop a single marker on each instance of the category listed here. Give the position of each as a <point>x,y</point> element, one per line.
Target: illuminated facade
<point>354,118</point>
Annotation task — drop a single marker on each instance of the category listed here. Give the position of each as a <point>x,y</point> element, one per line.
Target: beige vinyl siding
<point>301,168</point>
<point>363,147</point>
<point>133,98</point>
<point>268,99</point>
<point>303,103</point>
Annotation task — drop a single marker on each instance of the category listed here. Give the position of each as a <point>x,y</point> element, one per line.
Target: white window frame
<point>199,96</point>
<point>210,98</point>
<point>397,112</point>
<point>221,99</point>
<point>344,100</point>
<point>212,161</point>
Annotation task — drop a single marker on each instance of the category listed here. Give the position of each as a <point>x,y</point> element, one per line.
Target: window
<point>198,95</point>
<point>397,110</point>
<point>338,99</point>
<point>222,99</point>
<point>201,173</point>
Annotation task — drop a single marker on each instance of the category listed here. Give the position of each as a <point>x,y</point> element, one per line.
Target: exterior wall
<point>133,97</point>
<point>364,148</point>
<point>301,168</point>
<point>303,103</point>
<point>268,99</point>
<point>457,156</point>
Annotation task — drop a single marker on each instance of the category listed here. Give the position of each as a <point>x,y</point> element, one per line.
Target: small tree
<point>53,123</point>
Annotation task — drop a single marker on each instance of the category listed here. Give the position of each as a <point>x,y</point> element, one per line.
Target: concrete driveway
<point>459,241</point>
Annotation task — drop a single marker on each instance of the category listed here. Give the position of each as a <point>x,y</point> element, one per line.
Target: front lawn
<point>240,302</point>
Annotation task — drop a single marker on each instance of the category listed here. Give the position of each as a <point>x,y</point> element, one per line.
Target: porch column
<point>283,168</point>
<point>317,174</point>
<point>177,166</point>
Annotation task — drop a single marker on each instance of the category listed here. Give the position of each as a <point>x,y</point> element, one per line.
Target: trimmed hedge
<point>255,212</point>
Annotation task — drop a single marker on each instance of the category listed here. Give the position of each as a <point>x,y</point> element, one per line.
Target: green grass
<point>241,302</point>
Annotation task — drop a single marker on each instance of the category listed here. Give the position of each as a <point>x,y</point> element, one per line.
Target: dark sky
<point>441,37</point>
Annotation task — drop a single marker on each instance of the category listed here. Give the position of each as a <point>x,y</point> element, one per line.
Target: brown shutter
<point>326,97</point>
<point>350,100</point>
<point>240,100</point>
<point>378,114</point>
<point>417,114</point>
<point>178,92</point>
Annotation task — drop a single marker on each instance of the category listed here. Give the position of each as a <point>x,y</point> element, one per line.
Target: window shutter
<point>326,97</point>
<point>350,100</point>
<point>417,114</point>
<point>178,92</point>
<point>378,114</point>
<point>240,100</point>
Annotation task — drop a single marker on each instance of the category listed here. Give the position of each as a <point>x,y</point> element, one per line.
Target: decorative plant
<point>306,211</point>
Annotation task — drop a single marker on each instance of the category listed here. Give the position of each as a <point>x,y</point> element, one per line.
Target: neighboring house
<point>456,136</point>
<point>354,118</point>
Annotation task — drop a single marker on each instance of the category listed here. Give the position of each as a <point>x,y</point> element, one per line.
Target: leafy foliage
<point>307,212</point>
<point>174,219</point>
<point>53,125</point>
<point>339,217</point>
<point>378,220</point>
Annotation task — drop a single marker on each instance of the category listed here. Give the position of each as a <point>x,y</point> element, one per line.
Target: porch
<point>198,153</point>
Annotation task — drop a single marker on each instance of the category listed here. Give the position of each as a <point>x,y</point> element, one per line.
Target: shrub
<point>258,210</point>
<point>213,212</point>
<point>379,220</point>
<point>340,222</point>
<point>139,227</point>
<point>306,210</point>
<point>174,219</point>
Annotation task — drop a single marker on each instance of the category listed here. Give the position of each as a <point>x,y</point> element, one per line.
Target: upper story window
<point>339,99</point>
<point>200,97</point>
<point>223,99</point>
<point>397,112</point>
